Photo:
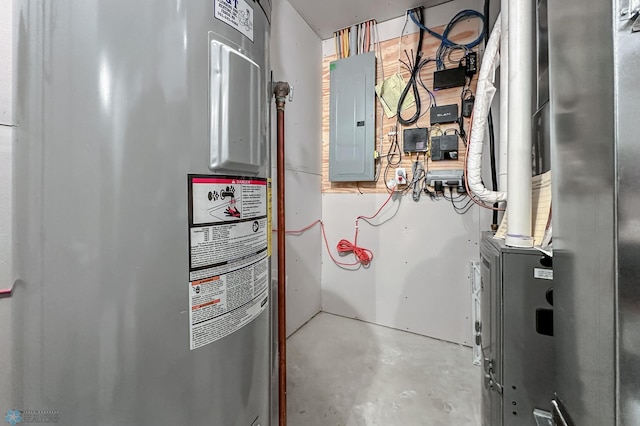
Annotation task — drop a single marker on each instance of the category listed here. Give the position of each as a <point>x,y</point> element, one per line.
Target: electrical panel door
<point>352,118</point>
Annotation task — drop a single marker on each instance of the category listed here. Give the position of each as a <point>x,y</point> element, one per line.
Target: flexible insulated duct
<point>485,92</point>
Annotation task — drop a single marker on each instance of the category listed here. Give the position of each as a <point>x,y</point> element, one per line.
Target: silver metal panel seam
<point>113,115</point>
<point>627,45</point>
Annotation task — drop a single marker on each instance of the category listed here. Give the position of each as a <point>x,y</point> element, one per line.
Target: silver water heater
<point>142,213</point>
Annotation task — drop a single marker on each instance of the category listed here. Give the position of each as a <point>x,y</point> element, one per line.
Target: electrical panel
<point>352,118</point>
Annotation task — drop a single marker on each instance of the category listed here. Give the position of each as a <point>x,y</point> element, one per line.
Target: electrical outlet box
<point>401,176</point>
<point>444,147</point>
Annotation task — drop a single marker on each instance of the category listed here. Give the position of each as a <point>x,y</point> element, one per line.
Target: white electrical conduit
<point>521,18</point>
<point>484,96</point>
<point>504,96</point>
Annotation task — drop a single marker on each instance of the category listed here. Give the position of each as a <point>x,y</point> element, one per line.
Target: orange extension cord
<point>363,255</point>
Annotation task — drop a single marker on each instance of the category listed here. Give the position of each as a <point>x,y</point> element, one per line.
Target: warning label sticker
<point>228,255</point>
<point>236,13</point>
<point>543,274</point>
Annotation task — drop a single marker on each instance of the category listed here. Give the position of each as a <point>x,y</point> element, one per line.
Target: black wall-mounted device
<point>444,114</point>
<point>467,106</point>
<point>415,140</point>
<point>471,64</point>
<point>453,77</point>
<point>444,147</point>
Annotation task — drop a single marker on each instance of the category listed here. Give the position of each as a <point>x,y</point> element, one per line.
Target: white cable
<point>379,49</point>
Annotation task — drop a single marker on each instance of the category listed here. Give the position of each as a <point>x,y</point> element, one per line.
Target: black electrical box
<point>444,147</point>
<point>444,114</point>
<point>467,106</point>
<point>471,64</point>
<point>415,140</point>
<point>453,77</point>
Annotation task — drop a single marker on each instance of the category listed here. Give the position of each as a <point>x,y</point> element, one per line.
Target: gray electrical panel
<point>352,118</point>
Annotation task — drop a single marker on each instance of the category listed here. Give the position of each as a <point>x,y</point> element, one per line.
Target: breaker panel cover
<point>352,118</point>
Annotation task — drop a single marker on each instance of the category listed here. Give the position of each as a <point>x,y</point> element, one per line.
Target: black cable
<point>487,7</point>
<point>413,80</point>
<point>492,139</point>
<point>492,155</point>
<point>459,210</point>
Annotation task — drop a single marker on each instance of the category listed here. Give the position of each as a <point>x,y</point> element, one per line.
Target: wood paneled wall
<point>464,32</point>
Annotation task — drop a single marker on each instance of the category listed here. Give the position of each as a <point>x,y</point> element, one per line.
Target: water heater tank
<point>143,221</point>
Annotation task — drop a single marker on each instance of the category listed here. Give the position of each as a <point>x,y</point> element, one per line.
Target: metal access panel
<point>516,334</point>
<point>235,102</point>
<point>490,330</point>
<point>352,118</point>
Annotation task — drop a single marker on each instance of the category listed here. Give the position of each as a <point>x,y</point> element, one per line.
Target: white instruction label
<point>543,274</point>
<point>228,256</point>
<point>236,13</point>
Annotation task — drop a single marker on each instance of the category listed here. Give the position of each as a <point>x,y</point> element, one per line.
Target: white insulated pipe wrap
<point>484,96</point>
<point>521,18</point>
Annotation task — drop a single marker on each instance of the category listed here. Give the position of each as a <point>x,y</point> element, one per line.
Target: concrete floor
<point>344,372</point>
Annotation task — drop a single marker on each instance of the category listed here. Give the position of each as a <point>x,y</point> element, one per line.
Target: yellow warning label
<point>269,218</point>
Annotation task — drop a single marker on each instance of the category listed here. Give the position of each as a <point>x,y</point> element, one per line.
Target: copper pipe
<point>281,90</point>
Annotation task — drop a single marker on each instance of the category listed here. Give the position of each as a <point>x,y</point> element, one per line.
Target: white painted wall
<point>296,57</point>
<point>419,278</point>
<point>6,62</point>
<point>7,122</point>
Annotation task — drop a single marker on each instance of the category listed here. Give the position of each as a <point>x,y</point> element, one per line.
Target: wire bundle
<point>446,45</point>
<point>414,68</point>
<point>362,33</point>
